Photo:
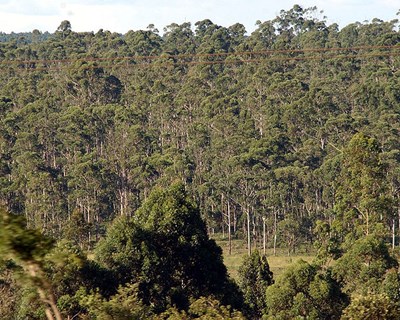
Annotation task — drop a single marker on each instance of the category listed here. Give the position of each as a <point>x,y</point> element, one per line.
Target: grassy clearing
<point>278,263</point>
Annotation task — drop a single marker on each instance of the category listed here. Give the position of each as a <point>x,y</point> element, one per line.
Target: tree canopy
<point>137,146</point>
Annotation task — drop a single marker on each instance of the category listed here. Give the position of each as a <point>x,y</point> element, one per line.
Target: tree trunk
<point>235,221</point>
<point>254,232</point>
<point>34,271</point>
<point>275,230</point>
<point>264,237</point>
<point>393,234</point>
<point>248,233</point>
<point>398,229</point>
<point>229,229</point>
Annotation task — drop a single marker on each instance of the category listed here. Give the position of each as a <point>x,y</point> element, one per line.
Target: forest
<point>121,155</point>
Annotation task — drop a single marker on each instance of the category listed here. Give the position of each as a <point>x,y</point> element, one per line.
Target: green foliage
<point>28,248</point>
<point>254,278</point>
<point>304,290</point>
<point>49,275</point>
<point>165,249</point>
<point>205,308</point>
<point>363,198</point>
<point>28,305</point>
<point>10,291</point>
<point>391,285</point>
<point>327,243</point>
<point>122,113</point>
<point>68,270</point>
<point>372,306</point>
<point>117,250</point>
<point>17,242</point>
<point>365,265</point>
<point>302,142</point>
<point>124,305</point>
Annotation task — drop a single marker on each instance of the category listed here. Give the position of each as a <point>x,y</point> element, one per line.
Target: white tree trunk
<point>229,228</point>
<point>248,233</point>
<point>275,230</point>
<point>264,237</point>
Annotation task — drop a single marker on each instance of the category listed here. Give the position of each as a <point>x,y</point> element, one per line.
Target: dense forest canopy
<point>287,137</point>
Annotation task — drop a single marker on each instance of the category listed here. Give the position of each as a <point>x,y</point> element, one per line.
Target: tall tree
<point>363,198</point>
<point>165,248</point>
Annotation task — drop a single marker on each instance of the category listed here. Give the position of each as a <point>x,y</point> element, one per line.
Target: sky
<point>124,15</point>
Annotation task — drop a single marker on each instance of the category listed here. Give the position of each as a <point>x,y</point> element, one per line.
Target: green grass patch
<point>278,263</point>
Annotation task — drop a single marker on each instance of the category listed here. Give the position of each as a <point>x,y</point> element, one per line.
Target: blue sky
<point>123,15</point>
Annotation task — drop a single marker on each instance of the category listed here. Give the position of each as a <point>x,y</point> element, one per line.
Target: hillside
<point>287,137</point>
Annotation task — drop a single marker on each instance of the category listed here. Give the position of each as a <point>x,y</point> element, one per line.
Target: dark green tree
<point>254,278</point>
<point>363,268</point>
<point>165,249</point>
<point>203,308</point>
<point>306,291</point>
<point>64,28</point>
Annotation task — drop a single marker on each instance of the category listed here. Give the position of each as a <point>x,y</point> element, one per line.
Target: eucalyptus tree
<point>363,199</point>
